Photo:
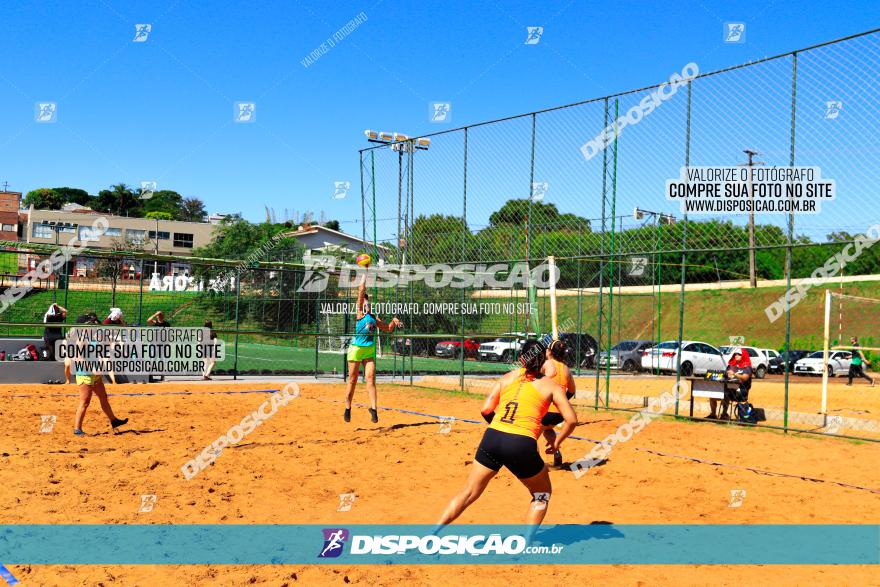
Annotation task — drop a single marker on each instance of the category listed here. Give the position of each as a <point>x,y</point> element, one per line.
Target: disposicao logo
<point>334,541</point>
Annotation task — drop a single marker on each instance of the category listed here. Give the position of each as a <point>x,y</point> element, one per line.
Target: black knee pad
<point>540,500</point>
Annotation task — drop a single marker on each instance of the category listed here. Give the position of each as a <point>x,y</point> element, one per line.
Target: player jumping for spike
<point>362,350</point>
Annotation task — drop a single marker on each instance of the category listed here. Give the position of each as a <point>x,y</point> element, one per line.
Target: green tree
<point>543,216</point>
<point>167,201</point>
<point>43,199</point>
<point>438,238</point>
<point>235,239</point>
<point>332,225</point>
<point>120,200</point>
<point>113,267</point>
<point>193,210</point>
<point>74,196</point>
<point>159,216</point>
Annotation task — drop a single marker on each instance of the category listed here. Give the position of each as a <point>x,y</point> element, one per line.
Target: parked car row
<point>625,355</point>
<point>697,357</point>
<point>581,348</point>
<point>505,348</point>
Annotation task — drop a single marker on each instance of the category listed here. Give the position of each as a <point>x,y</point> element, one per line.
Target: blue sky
<point>163,109</point>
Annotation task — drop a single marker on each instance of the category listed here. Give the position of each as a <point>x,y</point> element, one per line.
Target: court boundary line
<point>7,576</point>
<point>154,393</point>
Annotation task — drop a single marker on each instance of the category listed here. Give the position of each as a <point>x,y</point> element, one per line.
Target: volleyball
<point>364,260</point>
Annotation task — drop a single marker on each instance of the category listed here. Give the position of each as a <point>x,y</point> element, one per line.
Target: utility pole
<point>753,278</point>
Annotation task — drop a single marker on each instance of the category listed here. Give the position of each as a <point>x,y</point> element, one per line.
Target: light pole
<point>659,220</point>
<point>402,144</point>
<point>155,261</point>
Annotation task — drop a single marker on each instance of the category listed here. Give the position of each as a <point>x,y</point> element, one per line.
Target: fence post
<point>464,235</point>
<point>409,238</point>
<point>613,257</point>
<point>529,318</point>
<point>599,308</point>
<point>788,250</point>
<point>237,300</point>
<point>317,333</point>
<point>67,278</point>
<point>141,297</point>
<point>687,163</point>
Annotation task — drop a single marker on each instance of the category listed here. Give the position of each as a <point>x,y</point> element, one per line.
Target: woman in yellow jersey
<point>92,384</point>
<point>556,369</point>
<point>522,398</point>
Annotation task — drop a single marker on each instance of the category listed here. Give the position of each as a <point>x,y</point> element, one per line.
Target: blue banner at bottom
<point>595,544</point>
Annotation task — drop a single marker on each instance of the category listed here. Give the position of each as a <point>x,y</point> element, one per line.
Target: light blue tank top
<point>365,330</point>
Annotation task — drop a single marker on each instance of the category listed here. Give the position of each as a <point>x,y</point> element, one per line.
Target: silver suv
<point>625,355</point>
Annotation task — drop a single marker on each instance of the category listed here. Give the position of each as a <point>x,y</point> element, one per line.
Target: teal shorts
<point>357,354</point>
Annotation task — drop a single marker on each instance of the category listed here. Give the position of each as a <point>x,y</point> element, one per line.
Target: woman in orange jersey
<point>511,441</point>
<point>556,369</point>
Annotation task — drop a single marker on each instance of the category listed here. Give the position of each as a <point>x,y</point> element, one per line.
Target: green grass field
<point>710,315</point>
<point>714,315</point>
<point>259,356</point>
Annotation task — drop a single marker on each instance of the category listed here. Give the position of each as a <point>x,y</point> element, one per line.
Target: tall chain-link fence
<point>571,183</point>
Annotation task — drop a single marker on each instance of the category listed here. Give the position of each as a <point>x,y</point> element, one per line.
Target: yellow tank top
<point>520,408</point>
<point>561,379</point>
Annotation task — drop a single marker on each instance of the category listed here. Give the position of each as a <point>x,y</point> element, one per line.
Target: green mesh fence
<point>633,266</point>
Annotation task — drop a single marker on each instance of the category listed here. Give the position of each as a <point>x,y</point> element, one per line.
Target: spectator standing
<point>858,359</point>
<point>210,362</point>
<point>158,319</point>
<point>54,315</point>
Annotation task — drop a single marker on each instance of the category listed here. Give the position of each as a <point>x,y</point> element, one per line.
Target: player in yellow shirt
<point>556,369</point>
<point>521,398</point>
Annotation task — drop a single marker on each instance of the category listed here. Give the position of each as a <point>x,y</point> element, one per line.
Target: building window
<point>42,231</point>
<point>65,228</point>
<point>84,267</point>
<point>163,235</point>
<point>183,239</point>
<point>180,269</point>
<point>8,227</point>
<point>113,232</point>
<point>135,236</point>
<point>87,233</point>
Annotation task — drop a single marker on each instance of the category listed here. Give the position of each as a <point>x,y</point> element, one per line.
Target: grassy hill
<point>714,315</point>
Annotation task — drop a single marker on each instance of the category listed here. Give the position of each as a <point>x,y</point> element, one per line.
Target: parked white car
<point>838,363</point>
<point>504,348</point>
<point>696,358</point>
<point>760,360</point>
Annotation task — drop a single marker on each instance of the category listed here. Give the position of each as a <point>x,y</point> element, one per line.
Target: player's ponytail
<point>558,350</point>
<point>532,358</point>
